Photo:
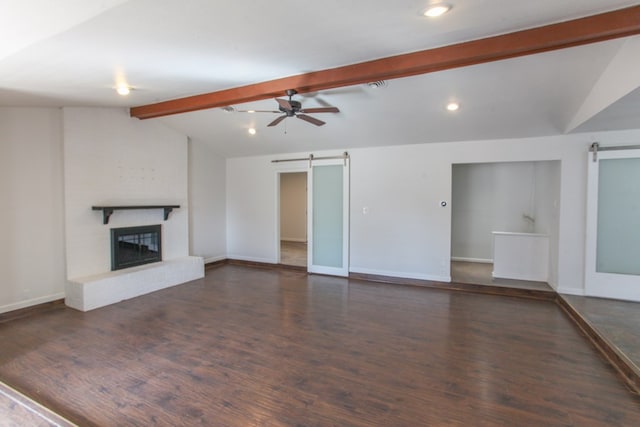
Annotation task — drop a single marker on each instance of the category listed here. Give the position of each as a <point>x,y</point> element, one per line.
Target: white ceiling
<point>74,52</point>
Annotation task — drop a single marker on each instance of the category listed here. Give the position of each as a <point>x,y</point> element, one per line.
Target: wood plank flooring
<point>18,410</point>
<point>617,323</point>
<point>293,253</point>
<point>482,274</point>
<point>256,347</point>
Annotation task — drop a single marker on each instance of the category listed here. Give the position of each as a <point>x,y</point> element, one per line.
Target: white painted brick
<point>91,292</point>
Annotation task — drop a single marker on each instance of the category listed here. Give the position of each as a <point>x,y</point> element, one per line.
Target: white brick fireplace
<point>111,159</point>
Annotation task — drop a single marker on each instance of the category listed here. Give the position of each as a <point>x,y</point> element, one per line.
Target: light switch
<point>365,210</point>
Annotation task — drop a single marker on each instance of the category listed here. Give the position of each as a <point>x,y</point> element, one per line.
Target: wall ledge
<point>91,292</point>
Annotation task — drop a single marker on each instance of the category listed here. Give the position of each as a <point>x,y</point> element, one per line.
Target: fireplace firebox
<point>131,246</point>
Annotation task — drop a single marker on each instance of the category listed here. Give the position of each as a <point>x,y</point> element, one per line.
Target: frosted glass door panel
<point>618,241</point>
<point>612,261</point>
<point>328,216</point>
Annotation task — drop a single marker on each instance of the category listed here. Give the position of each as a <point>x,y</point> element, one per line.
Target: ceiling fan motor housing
<point>292,108</point>
<point>295,108</point>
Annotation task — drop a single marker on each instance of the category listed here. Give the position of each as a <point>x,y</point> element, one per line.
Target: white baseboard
<point>478,260</point>
<point>400,274</point>
<point>215,258</point>
<point>252,259</point>
<point>570,291</point>
<point>30,302</point>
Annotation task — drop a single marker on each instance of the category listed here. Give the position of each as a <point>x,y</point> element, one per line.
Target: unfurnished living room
<point>362,213</point>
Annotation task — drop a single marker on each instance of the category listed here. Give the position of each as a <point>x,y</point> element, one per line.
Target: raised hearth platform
<point>88,293</point>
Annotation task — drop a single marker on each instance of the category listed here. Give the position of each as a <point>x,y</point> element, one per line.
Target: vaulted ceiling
<point>75,52</point>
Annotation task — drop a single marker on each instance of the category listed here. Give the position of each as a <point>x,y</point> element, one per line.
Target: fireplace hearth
<point>132,246</point>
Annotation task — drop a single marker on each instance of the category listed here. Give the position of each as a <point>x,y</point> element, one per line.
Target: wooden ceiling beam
<point>591,29</point>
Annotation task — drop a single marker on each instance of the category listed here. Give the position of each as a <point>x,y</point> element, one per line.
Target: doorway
<point>293,218</point>
<point>499,209</point>
<point>326,214</point>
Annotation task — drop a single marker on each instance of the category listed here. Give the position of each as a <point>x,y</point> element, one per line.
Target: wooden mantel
<point>108,210</point>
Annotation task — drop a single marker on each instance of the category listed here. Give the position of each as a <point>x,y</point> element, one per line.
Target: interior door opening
<point>505,223</point>
<point>293,219</point>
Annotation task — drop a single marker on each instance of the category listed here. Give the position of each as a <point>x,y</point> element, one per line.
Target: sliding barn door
<point>328,204</point>
<point>613,225</point>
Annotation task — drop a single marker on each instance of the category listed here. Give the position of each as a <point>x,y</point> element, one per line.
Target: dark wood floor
<point>18,410</point>
<point>257,347</point>
<point>482,274</point>
<point>618,322</point>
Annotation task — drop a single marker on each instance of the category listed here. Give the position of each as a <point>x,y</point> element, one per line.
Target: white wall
<point>293,206</point>
<point>406,232</point>
<point>496,197</point>
<point>110,158</point>
<point>252,233</point>
<point>207,202</point>
<point>547,211</point>
<point>32,212</point>
<point>431,224</point>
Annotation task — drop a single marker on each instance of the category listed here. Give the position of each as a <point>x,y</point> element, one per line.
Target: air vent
<point>377,84</point>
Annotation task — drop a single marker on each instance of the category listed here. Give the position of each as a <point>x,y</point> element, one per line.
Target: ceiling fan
<point>292,108</point>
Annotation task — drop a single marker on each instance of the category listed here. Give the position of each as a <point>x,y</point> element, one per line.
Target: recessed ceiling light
<point>252,131</point>
<point>453,106</point>
<point>251,111</point>
<point>123,89</point>
<point>436,10</point>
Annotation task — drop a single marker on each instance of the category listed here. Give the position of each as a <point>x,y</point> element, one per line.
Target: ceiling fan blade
<point>278,120</point>
<point>258,111</point>
<point>284,104</point>
<point>321,110</point>
<point>310,119</point>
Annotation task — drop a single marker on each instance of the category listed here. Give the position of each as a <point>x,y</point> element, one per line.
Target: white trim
<point>570,291</point>
<point>329,271</point>
<point>512,233</point>
<point>30,302</point>
<point>605,285</point>
<point>215,259</point>
<point>346,178</point>
<point>478,260</point>
<point>282,168</point>
<point>401,275</point>
<point>252,259</point>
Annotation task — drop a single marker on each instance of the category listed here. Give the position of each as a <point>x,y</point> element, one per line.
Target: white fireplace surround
<point>90,292</point>
<point>111,160</point>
